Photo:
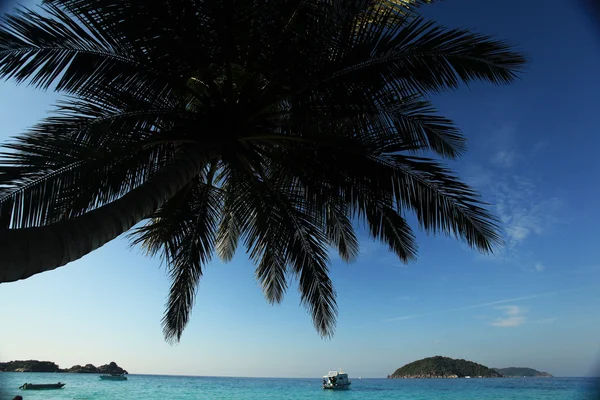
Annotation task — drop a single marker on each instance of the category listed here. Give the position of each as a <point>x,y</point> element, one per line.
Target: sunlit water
<point>83,386</point>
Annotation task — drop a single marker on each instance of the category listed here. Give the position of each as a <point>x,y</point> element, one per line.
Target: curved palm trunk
<point>29,251</point>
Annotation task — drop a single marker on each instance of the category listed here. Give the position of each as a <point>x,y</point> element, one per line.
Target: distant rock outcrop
<point>29,366</point>
<point>443,367</point>
<point>78,369</point>
<point>111,368</point>
<point>522,372</point>
<point>48,366</point>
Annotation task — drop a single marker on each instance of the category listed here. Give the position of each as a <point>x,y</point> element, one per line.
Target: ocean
<point>155,387</point>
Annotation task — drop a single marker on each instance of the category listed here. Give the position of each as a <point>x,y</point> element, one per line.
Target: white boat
<point>467,377</point>
<point>336,380</point>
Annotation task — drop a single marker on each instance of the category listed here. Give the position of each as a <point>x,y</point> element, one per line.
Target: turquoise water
<point>81,386</point>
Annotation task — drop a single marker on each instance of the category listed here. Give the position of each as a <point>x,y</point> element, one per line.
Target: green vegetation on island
<point>49,366</point>
<point>443,367</point>
<point>521,371</point>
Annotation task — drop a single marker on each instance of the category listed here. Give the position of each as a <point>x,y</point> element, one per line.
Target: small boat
<point>42,386</point>
<point>113,377</point>
<point>336,380</point>
<point>467,377</point>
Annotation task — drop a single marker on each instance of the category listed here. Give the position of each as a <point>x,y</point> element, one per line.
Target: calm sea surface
<point>82,386</point>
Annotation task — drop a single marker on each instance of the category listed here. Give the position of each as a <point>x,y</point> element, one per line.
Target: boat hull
<point>47,386</point>
<point>336,387</point>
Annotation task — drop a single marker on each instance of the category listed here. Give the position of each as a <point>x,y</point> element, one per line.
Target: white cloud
<point>510,311</point>
<point>524,212</point>
<point>504,158</point>
<point>512,300</point>
<point>538,267</point>
<point>512,316</point>
<point>518,232</point>
<point>517,199</point>
<point>509,322</point>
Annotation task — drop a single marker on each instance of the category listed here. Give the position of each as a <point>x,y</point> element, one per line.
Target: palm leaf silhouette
<point>274,125</point>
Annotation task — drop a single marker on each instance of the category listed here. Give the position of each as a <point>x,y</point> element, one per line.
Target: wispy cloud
<point>512,316</point>
<point>504,158</point>
<point>517,197</point>
<point>478,176</point>
<point>405,317</point>
<point>538,267</point>
<point>523,211</point>
<point>508,309</point>
<point>512,300</point>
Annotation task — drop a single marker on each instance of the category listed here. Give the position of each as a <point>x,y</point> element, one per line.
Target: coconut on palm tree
<point>277,125</point>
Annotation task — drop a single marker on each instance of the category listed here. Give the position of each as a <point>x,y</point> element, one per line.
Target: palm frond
<point>44,49</point>
<point>340,232</point>
<point>39,198</point>
<point>264,232</point>
<point>271,269</point>
<point>230,225</point>
<point>442,203</point>
<point>184,231</point>
<point>297,238</point>
<point>310,262</point>
<point>420,126</point>
<point>422,57</point>
<point>387,226</point>
<point>277,123</point>
<point>388,120</point>
<point>29,251</point>
<point>55,171</point>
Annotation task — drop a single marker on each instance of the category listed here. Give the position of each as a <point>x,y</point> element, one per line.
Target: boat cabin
<point>335,380</point>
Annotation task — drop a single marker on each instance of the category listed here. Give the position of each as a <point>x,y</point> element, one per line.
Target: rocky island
<point>521,372</point>
<point>443,367</point>
<point>49,366</point>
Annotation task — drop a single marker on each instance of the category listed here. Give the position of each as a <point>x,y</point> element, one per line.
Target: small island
<point>521,372</point>
<point>443,367</point>
<point>49,366</point>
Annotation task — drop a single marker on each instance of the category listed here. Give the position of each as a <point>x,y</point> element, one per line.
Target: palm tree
<point>278,123</point>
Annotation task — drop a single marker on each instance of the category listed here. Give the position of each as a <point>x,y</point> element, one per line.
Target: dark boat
<point>43,386</point>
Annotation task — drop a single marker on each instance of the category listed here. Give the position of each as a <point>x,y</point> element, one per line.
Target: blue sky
<point>533,155</point>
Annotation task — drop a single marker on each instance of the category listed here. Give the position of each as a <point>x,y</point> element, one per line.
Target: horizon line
<point>285,377</point>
